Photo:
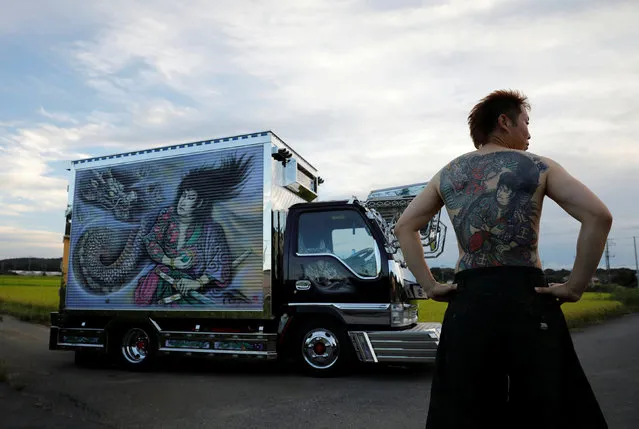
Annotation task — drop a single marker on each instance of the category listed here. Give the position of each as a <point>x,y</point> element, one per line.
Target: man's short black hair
<point>482,119</point>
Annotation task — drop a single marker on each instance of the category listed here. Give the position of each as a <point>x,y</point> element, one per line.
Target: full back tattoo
<point>495,209</point>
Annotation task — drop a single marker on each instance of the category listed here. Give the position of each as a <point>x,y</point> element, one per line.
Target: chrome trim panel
<point>267,228</point>
<point>345,306</point>
<point>229,335</point>
<point>370,346</point>
<point>355,314</point>
<point>155,325</point>
<point>418,344</point>
<point>62,340</point>
<point>395,269</point>
<point>267,342</point>
<point>403,315</point>
<point>81,329</point>
<point>267,207</point>
<point>363,347</point>
<point>270,354</point>
<point>377,259</point>
<point>74,345</point>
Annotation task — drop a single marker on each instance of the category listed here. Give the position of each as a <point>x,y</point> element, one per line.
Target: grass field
<point>593,307</point>
<point>33,298</point>
<point>29,298</point>
<point>39,281</point>
<point>45,296</point>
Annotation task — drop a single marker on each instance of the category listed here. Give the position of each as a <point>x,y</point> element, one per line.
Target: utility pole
<point>608,256</point>
<point>634,239</point>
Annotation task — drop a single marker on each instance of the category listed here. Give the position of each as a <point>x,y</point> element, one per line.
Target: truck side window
<point>342,234</point>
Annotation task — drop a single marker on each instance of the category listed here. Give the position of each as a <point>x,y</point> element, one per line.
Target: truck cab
<point>343,276</point>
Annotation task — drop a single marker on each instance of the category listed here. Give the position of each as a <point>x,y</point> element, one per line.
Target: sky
<point>372,93</point>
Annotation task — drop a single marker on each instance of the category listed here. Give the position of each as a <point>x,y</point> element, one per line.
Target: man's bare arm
<point>582,204</point>
<point>416,216</point>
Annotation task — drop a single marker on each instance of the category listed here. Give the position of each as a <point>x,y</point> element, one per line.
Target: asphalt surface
<point>45,389</point>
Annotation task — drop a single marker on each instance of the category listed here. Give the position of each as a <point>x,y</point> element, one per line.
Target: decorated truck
<point>223,249</point>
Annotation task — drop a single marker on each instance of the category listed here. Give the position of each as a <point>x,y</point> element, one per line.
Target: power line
<point>620,238</point>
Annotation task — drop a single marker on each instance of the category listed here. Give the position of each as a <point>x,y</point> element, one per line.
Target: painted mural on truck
<point>173,233</point>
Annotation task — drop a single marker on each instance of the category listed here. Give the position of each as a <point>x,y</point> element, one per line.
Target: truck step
<point>415,345</point>
<point>257,345</point>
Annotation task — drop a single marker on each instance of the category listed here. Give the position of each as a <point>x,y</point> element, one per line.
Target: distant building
<point>36,273</point>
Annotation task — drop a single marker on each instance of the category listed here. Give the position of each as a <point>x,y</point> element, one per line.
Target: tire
<point>136,348</point>
<point>322,348</point>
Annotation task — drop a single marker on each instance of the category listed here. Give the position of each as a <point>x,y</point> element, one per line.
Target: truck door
<point>334,256</point>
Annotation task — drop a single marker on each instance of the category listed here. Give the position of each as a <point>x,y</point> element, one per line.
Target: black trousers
<point>506,358</point>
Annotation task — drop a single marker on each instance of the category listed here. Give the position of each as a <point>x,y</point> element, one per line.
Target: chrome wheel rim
<point>135,345</point>
<point>320,348</point>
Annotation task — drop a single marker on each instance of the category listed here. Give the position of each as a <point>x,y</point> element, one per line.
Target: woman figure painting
<point>188,247</point>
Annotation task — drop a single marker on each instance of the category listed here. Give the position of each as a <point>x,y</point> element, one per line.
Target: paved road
<point>46,390</point>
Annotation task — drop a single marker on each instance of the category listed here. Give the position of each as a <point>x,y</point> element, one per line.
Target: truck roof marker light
<point>178,146</point>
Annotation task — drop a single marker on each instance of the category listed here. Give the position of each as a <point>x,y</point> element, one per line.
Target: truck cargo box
<point>182,228</point>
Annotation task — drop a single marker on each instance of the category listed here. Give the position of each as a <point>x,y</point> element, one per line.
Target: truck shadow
<point>192,366</point>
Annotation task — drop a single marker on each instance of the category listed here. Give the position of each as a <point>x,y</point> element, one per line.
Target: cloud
<point>27,181</point>
<point>161,112</point>
<point>58,117</point>
<point>351,66</point>
<point>17,242</point>
<point>44,18</point>
<point>14,209</point>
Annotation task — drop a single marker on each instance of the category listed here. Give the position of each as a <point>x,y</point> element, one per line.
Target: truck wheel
<point>323,348</point>
<point>137,348</point>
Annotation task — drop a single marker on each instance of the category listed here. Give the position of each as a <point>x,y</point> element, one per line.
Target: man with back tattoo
<point>505,357</point>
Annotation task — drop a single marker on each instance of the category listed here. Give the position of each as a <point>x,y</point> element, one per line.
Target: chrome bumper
<point>415,345</point>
